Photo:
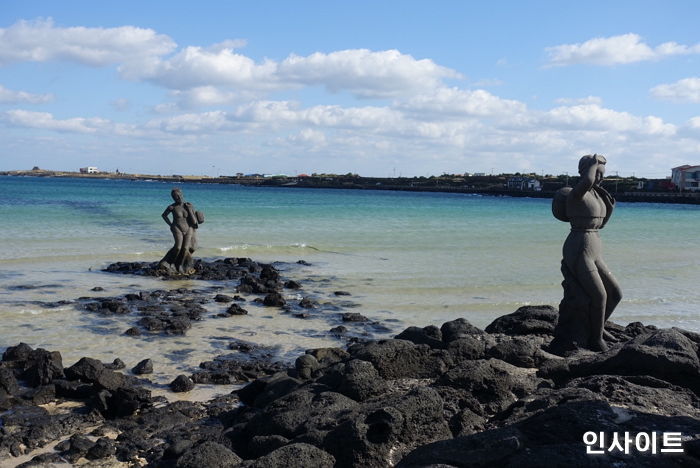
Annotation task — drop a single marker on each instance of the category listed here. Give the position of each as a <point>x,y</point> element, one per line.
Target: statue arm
<point>192,217</point>
<point>587,179</point>
<point>165,215</point>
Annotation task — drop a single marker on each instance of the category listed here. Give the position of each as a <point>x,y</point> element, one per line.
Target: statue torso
<point>587,212</point>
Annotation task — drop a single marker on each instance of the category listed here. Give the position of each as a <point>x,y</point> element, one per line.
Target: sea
<point>405,258</point>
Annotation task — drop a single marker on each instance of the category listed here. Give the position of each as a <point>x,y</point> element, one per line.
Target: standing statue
<point>591,292</point>
<point>184,228</point>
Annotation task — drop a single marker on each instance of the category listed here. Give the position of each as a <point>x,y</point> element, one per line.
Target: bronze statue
<point>591,292</point>
<point>184,228</point>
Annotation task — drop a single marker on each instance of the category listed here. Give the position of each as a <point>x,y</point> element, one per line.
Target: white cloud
<point>593,117</point>
<point>459,102</point>
<point>44,120</point>
<point>685,90</point>
<point>203,96</point>
<point>203,123</point>
<point>41,41</point>
<point>8,96</point>
<point>362,72</point>
<point>586,100</point>
<point>622,49</point>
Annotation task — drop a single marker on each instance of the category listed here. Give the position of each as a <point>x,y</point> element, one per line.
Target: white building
<point>89,170</point>
<point>686,177</point>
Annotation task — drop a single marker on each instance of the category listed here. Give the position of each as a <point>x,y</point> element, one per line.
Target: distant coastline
<point>487,185</point>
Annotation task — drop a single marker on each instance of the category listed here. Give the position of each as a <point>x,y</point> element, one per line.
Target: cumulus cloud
<point>460,102</point>
<point>8,96</point>
<point>585,100</point>
<point>362,72</point>
<point>614,50</point>
<point>41,41</point>
<point>593,117</point>
<point>685,90</point>
<point>45,120</point>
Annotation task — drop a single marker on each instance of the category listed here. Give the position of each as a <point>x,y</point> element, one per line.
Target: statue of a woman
<point>183,226</point>
<point>591,292</point>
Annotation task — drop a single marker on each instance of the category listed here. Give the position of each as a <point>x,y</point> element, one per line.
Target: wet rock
<point>117,364</point>
<point>267,389</point>
<point>208,454</point>
<point>328,356</point>
<point>305,365</point>
<point>339,330</point>
<point>143,367</point>
<point>431,335</point>
<point>262,445</point>
<point>519,351</point>
<point>133,331</point>
<point>235,368</point>
<point>274,299</point>
<point>308,303</point>
<point>467,347</point>
<point>342,293</point>
<point>181,384</point>
<point>552,438</point>
<point>20,352</point>
<point>223,298</point>
<point>78,448</point>
<point>8,383</point>
<point>494,383</point>
<point>295,456</point>
<point>103,448</point>
<point>361,381</point>
<point>665,354</point>
<point>395,359</point>
<point>235,309</point>
<point>42,395</point>
<point>35,366</point>
<point>97,288</point>
<point>459,328</point>
<point>73,389</point>
<point>527,320</point>
<point>291,284</point>
<point>353,317</point>
<point>86,369</point>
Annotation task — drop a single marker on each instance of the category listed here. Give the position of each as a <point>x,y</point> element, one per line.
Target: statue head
<point>176,194</point>
<point>589,160</point>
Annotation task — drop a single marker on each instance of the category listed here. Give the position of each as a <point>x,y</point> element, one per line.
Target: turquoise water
<point>418,258</point>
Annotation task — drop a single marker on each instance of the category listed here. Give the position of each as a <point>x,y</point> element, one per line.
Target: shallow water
<point>407,259</point>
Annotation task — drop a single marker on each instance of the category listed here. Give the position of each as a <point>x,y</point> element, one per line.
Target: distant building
<point>524,183</point>
<point>89,170</point>
<point>686,177</point>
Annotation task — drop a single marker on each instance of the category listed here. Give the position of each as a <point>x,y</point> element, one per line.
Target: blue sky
<point>364,86</point>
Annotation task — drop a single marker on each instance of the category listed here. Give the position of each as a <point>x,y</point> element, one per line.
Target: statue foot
<point>598,345</point>
<point>609,337</point>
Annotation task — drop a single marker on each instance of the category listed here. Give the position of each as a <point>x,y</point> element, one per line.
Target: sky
<point>378,88</point>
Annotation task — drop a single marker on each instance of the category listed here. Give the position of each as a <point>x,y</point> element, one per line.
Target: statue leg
<point>184,260</point>
<point>591,282</point>
<point>169,261</point>
<point>612,288</point>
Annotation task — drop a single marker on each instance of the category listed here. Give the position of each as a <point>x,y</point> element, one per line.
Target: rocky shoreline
<point>449,396</point>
